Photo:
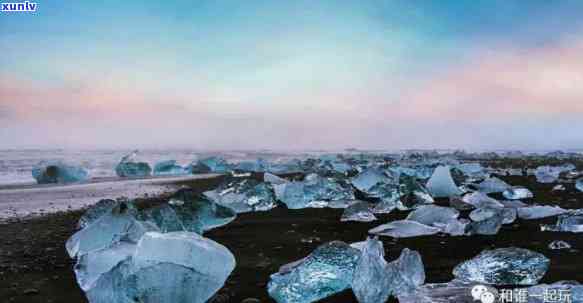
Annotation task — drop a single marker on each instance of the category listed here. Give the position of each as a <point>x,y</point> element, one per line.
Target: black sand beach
<point>34,266</point>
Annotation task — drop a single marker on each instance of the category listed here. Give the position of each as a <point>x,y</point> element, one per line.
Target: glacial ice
<point>504,266</point>
<point>169,168</point>
<point>493,185</point>
<point>314,191</point>
<point>190,269</point>
<point>194,213</point>
<point>480,200</point>
<point>441,184</point>
<point>273,179</point>
<point>58,172</point>
<point>92,265</point>
<point>413,193</point>
<point>539,212</point>
<point>558,244</point>
<point>474,171</point>
<point>113,227</point>
<point>547,174</point>
<point>244,195</point>
<point>371,281</point>
<point>517,193</point>
<point>572,222</point>
<point>130,167</point>
<point>360,211</point>
<point>327,270</point>
<point>579,184</point>
<point>260,165</point>
<point>210,165</point>
<point>377,184</point>
<point>101,208</point>
<point>404,229</point>
<point>433,215</point>
<point>489,223</point>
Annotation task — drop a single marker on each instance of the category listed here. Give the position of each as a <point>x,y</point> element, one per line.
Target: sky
<point>293,75</point>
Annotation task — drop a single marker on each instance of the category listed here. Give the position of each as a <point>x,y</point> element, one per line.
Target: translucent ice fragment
<point>58,172</point>
<point>539,212</point>
<point>517,193</point>
<point>493,185</point>
<point>441,184</point>
<point>404,229</point>
<point>169,168</point>
<point>130,167</point>
<point>359,211</point>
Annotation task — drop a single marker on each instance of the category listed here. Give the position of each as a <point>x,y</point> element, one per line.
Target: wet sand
<point>34,266</point>
<point>34,200</point>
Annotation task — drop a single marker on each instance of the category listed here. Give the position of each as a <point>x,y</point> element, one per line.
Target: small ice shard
<point>101,208</point>
<point>329,269</point>
<point>210,165</point>
<point>92,265</point>
<point>360,212</point>
<point>129,167</point>
<point>189,269</point>
<point>490,221</point>
<point>457,227</point>
<point>558,244</point>
<point>273,179</point>
<point>493,185</point>
<point>459,204</point>
<point>377,184</point>
<point>504,266</point>
<point>454,291</point>
<point>480,200</point>
<point>510,215</point>
<point>404,229</point>
<point>547,174</point>
<point>559,187</point>
<point>113,227</point>
<point>513,204</point>
<point>472,170</point>
<point>567,223</point>
<point>169,168</point>
<point>244,195</point>
<point>433,215</point>
<point>314,191</point>
<point>481,214</point>
<point>441,184</point>
<point>189,212</point>
<point>413,193</point>
<point>517,193</point>
<point>579,184</point>
<point>47,172</point>
<point>371,281</point>
<point>539,212</point>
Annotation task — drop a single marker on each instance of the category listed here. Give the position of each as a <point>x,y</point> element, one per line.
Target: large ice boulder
<point>129,166</point>
<point>58,172</point>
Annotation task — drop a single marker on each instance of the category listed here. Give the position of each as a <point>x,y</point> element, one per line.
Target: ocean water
<point>16,165</point>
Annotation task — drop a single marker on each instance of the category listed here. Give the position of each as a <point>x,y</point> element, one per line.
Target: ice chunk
<point>480,200</point>
<point>130,167</point>
<point>273,179</point>
<point>58,172</point>
<point>211,164</point>
<point>371,281</point>
<point>413,193</point>
<point>459,204</point>
<point>559,187</point>
<point>488,221</point>
<point>459,227</point>
<point>189,269</point>
<point>510,215</point>
<point>92,265</point>
<point>327,270</point>
<point>359,211</point>
<point>409,270</point>
<point>539,212</point>
<point>120,224</point>
<point>244,195</point>
<point>433,215</point>
<point>314,191</point>
<point>169,168</point>
<point>513,204</point>
<point>472,170</point>
<point>567,223</point>
<point>441,184</point>
<point>101,208</point>
<point>260,165</point>
<point>517,193</point>
<point>558,244</point>
<point>493,185</point>
<point>579,184</point>
<point>189,212</point>
<point>504,266</point>
<point>454,291</point>
<point>547,174</point>
<point>378,184</point>
<point>404,229</point>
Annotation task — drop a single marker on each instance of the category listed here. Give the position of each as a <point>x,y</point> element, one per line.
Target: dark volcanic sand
<point>34,266</point>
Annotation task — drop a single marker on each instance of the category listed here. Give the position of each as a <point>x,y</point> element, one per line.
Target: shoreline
<point>21,202</point>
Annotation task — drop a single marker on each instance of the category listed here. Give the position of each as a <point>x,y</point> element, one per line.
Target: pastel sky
<point>302,74</point>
